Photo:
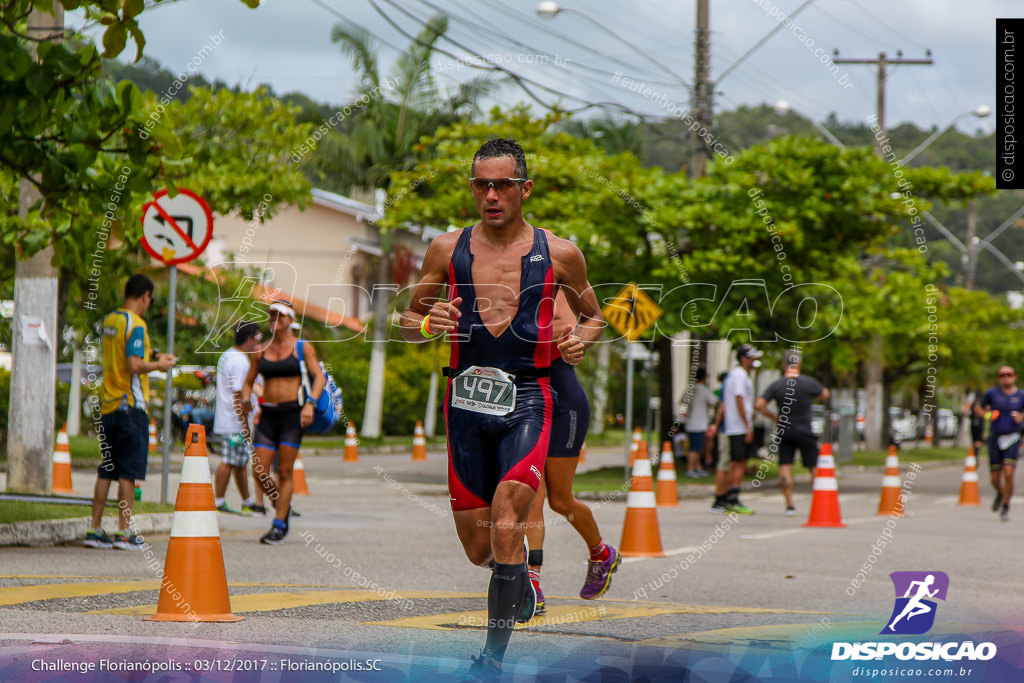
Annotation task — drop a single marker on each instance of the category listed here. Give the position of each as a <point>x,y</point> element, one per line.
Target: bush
<point>406,380</point>
<point>60,416</point>
<point>5,403</point>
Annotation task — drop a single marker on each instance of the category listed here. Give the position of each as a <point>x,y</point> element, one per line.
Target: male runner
<point>737,412</point>
<point>502,276</point>
<point>793,395</point>
<point>1006,402</point>
<point>568,432</point>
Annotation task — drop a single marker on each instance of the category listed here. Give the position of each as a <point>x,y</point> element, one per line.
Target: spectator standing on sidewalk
<point>124,425</point>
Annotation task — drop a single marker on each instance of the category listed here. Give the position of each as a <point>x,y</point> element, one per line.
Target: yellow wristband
<point>425,327</point>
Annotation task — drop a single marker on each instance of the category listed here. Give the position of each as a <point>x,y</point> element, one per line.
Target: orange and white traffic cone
<point>152,436</point>
<point>62,463</point>
<point>825,498</point>
<point>299,485</point>
<point>419,443</point>
<point>668,496</point>
<point>351,443</point>
<point>194,586</point>
<point>889,504</point>
<point>641,536</point>
<point>969,493</point>
<point>928,433</point>
<point>634,445</point>
<point>583,452</point>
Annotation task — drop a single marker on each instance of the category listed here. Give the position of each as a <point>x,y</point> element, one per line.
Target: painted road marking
<point>270,602</point>
<point>54,591</point>
<point>565,614</point>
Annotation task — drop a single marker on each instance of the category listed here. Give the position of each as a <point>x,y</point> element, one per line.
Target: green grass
<point>614,478</point>
<point>908,455</point>
<point>16,511</point>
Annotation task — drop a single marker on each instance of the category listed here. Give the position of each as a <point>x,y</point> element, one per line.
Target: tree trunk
<point>875,435</point>
<point>600,404</point>
<point>373,415</point>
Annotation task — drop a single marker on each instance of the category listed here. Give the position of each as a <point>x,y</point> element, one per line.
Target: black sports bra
<point>286,367</point>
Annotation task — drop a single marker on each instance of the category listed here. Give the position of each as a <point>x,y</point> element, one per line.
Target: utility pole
<point>883,62</point>
<point>35,335</point>
<point>876,418</point>
<point>702,89</point>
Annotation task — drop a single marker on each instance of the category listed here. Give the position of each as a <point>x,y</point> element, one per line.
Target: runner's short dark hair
<point>137,285</point>
<point>245,331</point>
<point>503,147</point>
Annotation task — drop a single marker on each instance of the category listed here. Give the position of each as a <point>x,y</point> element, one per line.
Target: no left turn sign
<point>176,229</point>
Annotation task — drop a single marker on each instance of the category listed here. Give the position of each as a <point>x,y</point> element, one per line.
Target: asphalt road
<point>373,576</point>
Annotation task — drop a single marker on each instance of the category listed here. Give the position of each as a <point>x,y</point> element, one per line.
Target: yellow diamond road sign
<point>631,312</point>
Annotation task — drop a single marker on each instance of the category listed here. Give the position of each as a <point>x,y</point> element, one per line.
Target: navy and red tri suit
<point>484,450</point>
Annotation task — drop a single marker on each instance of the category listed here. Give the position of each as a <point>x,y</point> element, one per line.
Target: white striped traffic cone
<point>889,504</point>
<point>419,443</point>
<point>641,536</point>
<point>194,586</point>
<point>152,436</point>
<point>668,495</point>
<point>351,444</point>
<point>62,463</point>
<point>969,493</point>
<point>825,498</point>
<point>299,485</point>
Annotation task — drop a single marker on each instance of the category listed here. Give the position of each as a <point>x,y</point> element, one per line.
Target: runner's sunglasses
<point>499,184</point>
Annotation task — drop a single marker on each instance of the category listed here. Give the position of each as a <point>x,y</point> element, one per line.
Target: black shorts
<point>280,425</point>
<point>739,449</point>
<point>571,416</point>
<point>1007,456</point>
<point>485,450</point>
<point>807,444</point>
<point>124,443</point>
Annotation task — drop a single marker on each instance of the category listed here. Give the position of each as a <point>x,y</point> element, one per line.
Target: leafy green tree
<point>389,117</point>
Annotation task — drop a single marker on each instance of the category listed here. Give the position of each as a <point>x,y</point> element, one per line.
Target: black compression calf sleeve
<point>536,558</point>
<point>504,597</point>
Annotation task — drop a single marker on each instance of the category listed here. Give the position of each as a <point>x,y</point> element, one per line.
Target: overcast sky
<point>286,43</point>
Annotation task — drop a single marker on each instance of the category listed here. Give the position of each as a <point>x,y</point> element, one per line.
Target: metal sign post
<point>168,385</point>
<point>174,230</point>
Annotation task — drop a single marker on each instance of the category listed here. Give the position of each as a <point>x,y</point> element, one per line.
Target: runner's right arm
<point>426,296</point>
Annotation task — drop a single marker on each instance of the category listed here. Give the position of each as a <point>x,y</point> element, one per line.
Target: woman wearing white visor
<point>285,411</point>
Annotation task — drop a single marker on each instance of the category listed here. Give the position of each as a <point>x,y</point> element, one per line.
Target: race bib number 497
<point>484,390</point>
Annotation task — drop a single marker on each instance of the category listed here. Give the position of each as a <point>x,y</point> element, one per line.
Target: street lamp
<point>981,112</point>
<point>549,10</point>
<point>782,108</point>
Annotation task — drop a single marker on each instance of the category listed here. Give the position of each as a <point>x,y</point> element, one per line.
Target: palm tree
<point>389,117</point>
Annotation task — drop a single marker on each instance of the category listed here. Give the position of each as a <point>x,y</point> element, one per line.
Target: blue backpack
<point>326,409</point>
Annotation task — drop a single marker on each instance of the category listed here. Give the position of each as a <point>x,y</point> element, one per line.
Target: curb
<point>48,532</point>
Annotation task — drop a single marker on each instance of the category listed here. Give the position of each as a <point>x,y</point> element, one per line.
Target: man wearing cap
<point>230,424</point>
<point>736,416</point>
<point>793,394</point>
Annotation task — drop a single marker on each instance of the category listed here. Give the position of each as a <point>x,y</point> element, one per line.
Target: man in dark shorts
<point>124,426</point>
<point>1006,402</point>
<point>736,417</point>
<point>502,276</point>
<point>793,394</point>
<point>569,424</point>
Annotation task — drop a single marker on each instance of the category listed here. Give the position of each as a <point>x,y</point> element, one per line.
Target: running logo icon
<point>914,611</point>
